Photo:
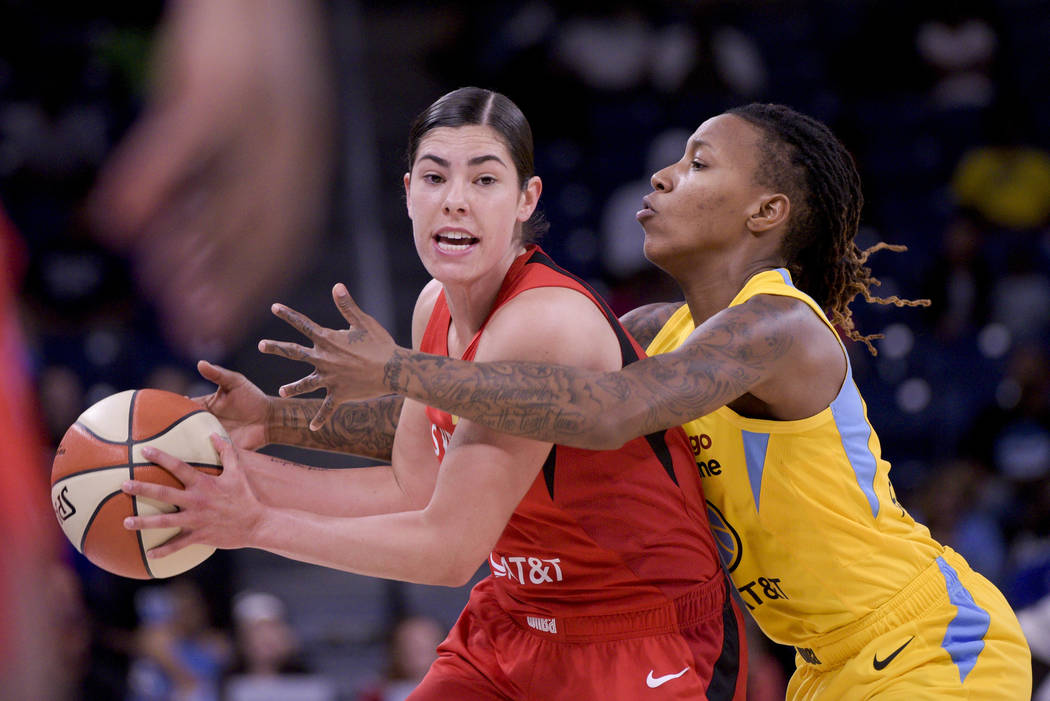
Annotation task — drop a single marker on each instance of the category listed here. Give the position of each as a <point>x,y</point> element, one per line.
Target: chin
<point>653,253</point>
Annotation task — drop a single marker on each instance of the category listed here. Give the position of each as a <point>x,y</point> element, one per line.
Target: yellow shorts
<point>949,634</point>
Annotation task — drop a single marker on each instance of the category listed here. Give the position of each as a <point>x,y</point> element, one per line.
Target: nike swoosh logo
<point>653,682</point>
<point>881,664</point>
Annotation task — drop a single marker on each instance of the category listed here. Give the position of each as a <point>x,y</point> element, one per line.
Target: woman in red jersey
<point>605,581</point>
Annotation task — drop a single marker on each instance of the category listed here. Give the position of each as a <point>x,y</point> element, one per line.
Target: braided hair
<point>801,157</point>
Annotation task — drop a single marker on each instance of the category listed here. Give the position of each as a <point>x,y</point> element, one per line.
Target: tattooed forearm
<point>721,361</point>
<point>645,322</point>
<point>359,428</point>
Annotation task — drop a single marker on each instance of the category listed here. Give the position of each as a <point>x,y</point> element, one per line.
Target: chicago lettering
<point>698,443</point>
<point>707,468</point>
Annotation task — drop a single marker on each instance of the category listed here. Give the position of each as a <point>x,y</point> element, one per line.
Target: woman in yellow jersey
<point>756,222</point>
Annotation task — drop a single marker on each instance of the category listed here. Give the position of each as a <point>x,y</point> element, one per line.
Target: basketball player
<point>756,222</point>
<point>605,580</point>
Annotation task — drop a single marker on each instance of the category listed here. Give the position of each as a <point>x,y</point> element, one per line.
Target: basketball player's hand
<point>217,190</point>
<point>221,511</point>
<point>241,407</point>
<point>348,363</point>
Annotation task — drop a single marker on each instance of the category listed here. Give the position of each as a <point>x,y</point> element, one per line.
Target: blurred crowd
<point>133,258</point>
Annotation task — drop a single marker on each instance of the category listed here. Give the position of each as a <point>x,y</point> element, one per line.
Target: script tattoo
<point>720,362</point>
<point>359,428</point>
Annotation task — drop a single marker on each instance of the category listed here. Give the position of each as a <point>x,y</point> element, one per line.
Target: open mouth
<point>455,240</point>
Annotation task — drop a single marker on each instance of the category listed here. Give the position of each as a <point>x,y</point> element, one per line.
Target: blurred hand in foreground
<point>218,191</point>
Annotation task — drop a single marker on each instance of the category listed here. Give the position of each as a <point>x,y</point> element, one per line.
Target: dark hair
<point>477,106</point>
<point>801,157</point>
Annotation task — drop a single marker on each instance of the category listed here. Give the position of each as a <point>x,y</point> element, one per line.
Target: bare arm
<point>442,544</point>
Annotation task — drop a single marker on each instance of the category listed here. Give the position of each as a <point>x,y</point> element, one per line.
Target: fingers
<point>285,349</point>
<point>323,414</point>
<point>300,322</point>
<point>307,384</point>
<point>226,449</point>
<point>182,472</point>
<point>176,543</point>
<point>345,303</point>
<point>217,374</point>
<point>159,492</point>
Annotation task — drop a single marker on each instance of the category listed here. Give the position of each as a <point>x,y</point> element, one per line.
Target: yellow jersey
<point>805,516</point>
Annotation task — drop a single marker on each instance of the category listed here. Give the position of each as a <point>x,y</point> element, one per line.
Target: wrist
<point>268,421</point>
<point>395,379</point>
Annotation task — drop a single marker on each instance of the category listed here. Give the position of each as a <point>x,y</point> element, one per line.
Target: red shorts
<point>692,648</point>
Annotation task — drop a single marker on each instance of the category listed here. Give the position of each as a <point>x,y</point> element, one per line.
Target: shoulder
<point>797,360</point>
<point>646,321</point>
<point>551,325</point>
<point>423,309</point>
<point>773,325</point>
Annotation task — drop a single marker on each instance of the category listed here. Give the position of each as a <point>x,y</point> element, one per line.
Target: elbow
<point>460,578</point>
<point>457,573</point>
<point>453,560</point>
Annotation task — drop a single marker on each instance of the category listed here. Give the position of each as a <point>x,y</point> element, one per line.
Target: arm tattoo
<point>721,361</point>
<point>359,428</point>
<point>645,322</point>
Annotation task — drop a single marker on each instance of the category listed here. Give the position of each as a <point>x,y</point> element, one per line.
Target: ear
<point>530,197</point>
<point>408,199</point>
<point>770,212</point>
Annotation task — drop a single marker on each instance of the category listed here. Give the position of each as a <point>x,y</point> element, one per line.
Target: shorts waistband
<point>686,611</point>
<point>925,590</point>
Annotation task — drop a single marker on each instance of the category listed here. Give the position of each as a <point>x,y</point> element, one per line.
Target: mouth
<point>647,209</point>
<point>454,240</point>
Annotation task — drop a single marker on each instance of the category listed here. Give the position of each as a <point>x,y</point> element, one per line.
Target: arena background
<point>945,106</point>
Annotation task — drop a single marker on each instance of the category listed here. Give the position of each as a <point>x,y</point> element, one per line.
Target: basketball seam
<point>121,466</point>
<point>131,475</point>
<point>129,440</point>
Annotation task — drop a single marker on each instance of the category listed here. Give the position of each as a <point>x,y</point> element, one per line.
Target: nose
<point>661,179</point>
<point>455,198</point>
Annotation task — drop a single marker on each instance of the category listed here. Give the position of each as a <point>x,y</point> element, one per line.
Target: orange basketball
<point>102,450</point>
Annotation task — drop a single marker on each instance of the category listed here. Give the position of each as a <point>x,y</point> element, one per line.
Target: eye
<point>486,180</point>
<point>697,165</point>
<point>432,178</point>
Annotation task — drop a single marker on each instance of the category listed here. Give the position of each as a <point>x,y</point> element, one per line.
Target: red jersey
<point>598,531</point>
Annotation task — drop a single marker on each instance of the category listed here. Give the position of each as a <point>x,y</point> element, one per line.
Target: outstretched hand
<point>349,363</point>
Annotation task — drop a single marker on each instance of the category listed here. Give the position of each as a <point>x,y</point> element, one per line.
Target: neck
<point>709,291</point>
<point>470,303</point>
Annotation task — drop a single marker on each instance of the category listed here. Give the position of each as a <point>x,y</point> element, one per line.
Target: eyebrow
<point>476,160</point>
<point>694,144</point>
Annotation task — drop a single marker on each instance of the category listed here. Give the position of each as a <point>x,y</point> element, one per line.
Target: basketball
<point>101,450</point>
